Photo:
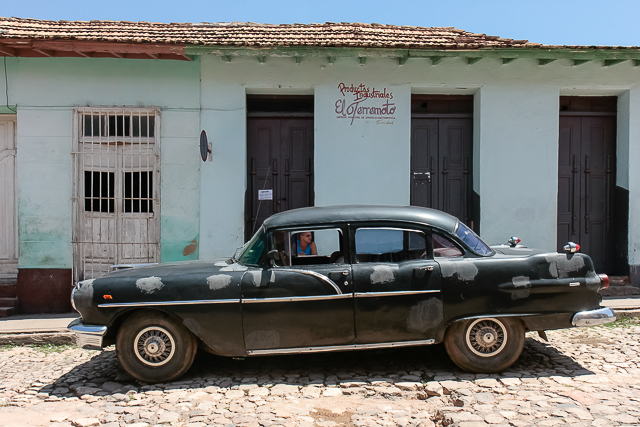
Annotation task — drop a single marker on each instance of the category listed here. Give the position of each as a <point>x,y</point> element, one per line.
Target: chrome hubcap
<point>154,346</point>
<point>486,337</point>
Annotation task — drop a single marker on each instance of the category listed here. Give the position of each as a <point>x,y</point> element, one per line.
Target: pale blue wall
<point>45,91</point>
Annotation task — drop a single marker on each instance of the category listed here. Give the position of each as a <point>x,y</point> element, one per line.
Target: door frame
<point>9,266</point>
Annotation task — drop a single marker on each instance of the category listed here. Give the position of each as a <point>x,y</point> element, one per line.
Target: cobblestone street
<point>581,377</point>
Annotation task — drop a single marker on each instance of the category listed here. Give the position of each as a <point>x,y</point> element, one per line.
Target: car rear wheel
<point>485,345</point>
<point>153,347</point>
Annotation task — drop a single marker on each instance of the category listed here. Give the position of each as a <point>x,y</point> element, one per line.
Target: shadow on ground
<point>103,375</point>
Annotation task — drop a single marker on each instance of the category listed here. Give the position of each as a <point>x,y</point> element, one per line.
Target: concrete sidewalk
<point>52,328</point>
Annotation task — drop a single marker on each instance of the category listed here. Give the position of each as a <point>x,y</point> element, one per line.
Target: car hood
<point>180,268</point>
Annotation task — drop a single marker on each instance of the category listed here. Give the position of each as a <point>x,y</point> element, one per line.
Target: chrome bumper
<point>87,336</point>
<point>594,317</point>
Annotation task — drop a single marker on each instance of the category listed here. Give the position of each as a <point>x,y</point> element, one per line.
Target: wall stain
<point>190,248</point>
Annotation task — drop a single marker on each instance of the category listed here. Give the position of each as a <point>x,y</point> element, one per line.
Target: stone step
<point>9,302</point>
<point>7,311</point>
<point>8,290</point>
<point>620,291</point>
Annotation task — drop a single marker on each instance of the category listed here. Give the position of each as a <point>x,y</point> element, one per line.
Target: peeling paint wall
<point>180,186</point>
<point>45,187</point>
<point>45,91</point>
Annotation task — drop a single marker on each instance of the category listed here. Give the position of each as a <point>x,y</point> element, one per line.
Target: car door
<point>299,301</point>
<point>397,285</point>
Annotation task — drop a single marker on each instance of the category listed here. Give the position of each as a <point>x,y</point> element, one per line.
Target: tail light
<point>604,280</point>
<point>571,247</point>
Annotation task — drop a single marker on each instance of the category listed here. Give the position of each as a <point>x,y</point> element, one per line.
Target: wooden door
<point>117,190</point>
<point>586,180</point>
<point>279,167</point>
<point>8,220</point>
<point>441,150</point>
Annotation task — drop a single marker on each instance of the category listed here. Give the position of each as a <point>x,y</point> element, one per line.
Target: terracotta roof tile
<point>252,34</point>
<point>260,35</point>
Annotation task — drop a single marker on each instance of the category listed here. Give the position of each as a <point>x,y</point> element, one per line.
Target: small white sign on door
<point>265,194</point>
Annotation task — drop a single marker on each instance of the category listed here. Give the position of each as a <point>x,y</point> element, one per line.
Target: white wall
<point>517,163</point>
<point>630,102</point>
<point>366,160</point>
<point>515,135</point>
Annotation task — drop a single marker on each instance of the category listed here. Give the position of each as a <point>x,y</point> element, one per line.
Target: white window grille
<point>116,203</point>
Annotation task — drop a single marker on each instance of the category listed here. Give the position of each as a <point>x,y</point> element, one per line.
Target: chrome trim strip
<point>157,303</point>
<point>293,299</point>
<point>347,347</point>
<point>574,284</point>
<point>393,294</point>
<point>594,317</point>
<point>312,273</point>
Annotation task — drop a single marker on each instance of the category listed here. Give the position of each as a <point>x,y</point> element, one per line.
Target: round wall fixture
<point>204,146</point>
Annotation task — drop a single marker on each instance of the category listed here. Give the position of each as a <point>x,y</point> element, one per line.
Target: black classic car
<point>341,278</point>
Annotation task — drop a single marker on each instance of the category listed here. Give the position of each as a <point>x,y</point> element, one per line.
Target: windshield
<point>472,240</point>
<point>252,253</point>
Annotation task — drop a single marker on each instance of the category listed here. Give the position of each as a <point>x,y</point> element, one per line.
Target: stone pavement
<point>582,377</point>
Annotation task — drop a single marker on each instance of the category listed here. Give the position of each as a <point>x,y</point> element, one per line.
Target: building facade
<point>101,162</point>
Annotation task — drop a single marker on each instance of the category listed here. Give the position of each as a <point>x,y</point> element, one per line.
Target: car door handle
<point>428,268</point>
<point>344,273</point>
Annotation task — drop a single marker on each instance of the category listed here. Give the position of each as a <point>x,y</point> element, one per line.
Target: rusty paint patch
<point>233,267</point>
<point>382,274</point>
<point>466,270</point>
<point>263,339</point>
<point>218,281</point>
<point>190,248</point>
<point>149,285</point>
<point>520,281</point>
<point>560,267</point>
<point>425,315</point>
<point>256,277</point>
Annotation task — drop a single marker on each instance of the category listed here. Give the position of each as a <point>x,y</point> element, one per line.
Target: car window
<point>253,252</point>
<point>308,247</point>
<point>443,247</point>
<point>389,244</point>
<point>472,240</point>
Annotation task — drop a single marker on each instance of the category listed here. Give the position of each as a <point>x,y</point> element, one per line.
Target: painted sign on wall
<point>361,102</point>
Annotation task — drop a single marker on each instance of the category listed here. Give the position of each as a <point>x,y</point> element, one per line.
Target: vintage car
<point>379,276</point>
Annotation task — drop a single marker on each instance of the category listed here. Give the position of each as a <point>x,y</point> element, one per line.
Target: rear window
<point>472,240</point>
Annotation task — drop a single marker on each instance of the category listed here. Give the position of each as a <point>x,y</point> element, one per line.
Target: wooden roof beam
<point>506,61</point>
<point>7,51</point>
<point>45,52</point>
<point>610,62</point>
<point>435,60</point>
<point>576,62</point>
<point>473,60</point>
<point>545,61</point>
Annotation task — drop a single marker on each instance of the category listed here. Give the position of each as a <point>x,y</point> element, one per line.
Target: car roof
<point>362,213</point>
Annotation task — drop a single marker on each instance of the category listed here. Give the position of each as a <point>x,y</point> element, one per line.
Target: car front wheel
<point>153,347</point>
<point>485,345</point>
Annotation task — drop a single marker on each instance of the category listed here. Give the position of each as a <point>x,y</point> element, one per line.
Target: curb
<point>57,338</point>
<point>621,313</point>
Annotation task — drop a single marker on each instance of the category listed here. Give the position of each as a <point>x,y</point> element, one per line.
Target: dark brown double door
<point>586,183</point>
<point>441,161</point>
<point>279,167</point>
